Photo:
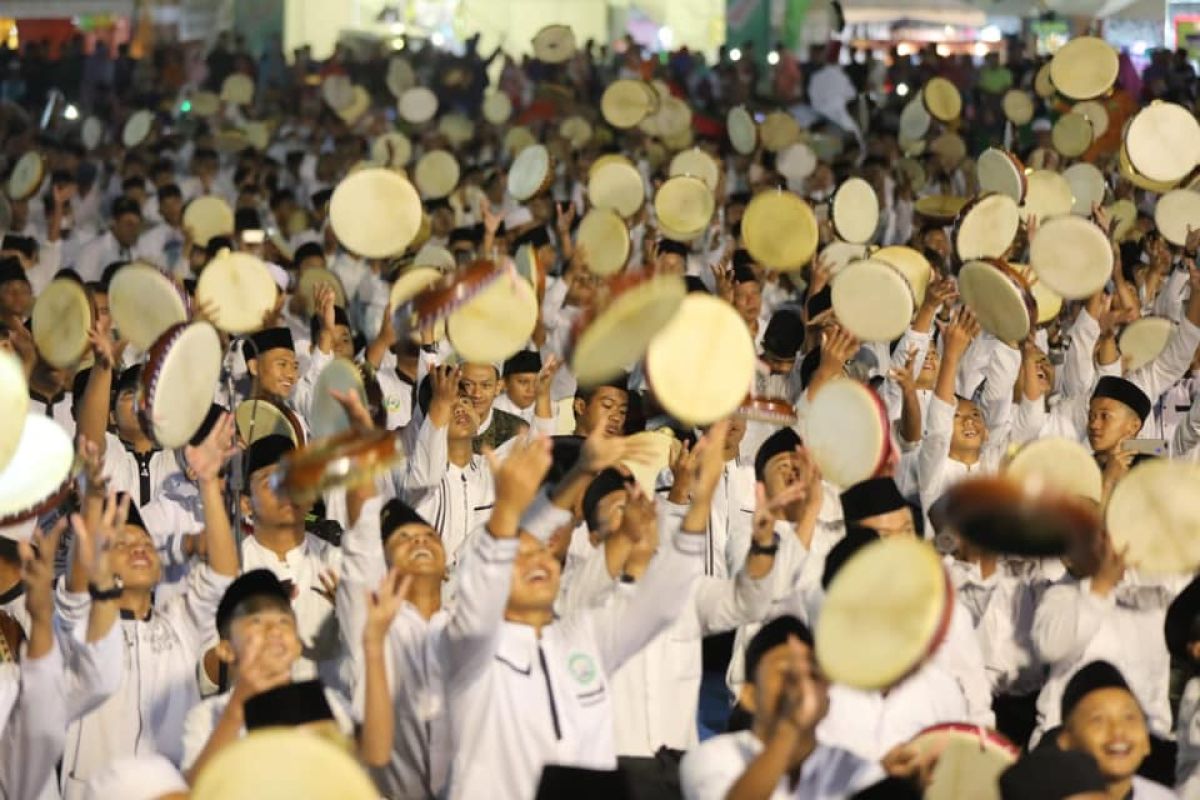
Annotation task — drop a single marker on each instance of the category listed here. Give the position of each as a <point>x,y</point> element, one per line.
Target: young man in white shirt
<point>520,377</point>
<point>118,243</point>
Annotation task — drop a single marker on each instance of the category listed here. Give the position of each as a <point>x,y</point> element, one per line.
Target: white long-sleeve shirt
<point>936,471</point>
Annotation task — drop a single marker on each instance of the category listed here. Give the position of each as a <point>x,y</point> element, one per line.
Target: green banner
<point>749,21</point>
<point>793,23</point>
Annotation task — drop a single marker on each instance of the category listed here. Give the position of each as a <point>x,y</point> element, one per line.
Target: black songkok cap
<point>770,636</point>
<point>523,361</point>
<point>11,270</point>
<point>604,484</point>
<point>1125,392</point>
<point>255,583</point>
<point>1092,677</point>
<point>534,237</point>
<point>271,339</point>
<point>784,334</point>
<point>396,513</point>
<point>1051,774</point>
<point>783,440</point>
<point>290,705</point>
<point>671,246</point>
<point>1183,621</point>
<point>870,497</point>
<point>267,452</point>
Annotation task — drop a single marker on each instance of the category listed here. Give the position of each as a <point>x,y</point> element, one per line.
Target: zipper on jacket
<point>550,694</point>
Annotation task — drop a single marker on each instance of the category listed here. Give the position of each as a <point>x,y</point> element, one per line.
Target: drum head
<point>400,76</point>
<point>1042,84</point>
<point>603,235</point>
<point>430,255</point>
<point>179,382</point>
<point>626,102</point>
<point>576,130</point>
<point>375,213</point>
<point>969,761</point>
<point>1049,302</point>
<point>1018,107</point>
<point>1063,465</point>
<point>327,417</point>
<point>683,206</point>
<point>1123,214</point>
<point>987,227</point>
<point>620,335</point>
<point>1142,340</point>
<point>39,471</point>
<point>361,103</point>
<point>1175,212</point>
<point>671,122</point>
<point>497,108</point>
<point>206,217</point>
<point>1047,195</point>
<point>1002,307</point>
<point>873,301</point>
<point>910,263</point>
<point>1096,113</point>
<point>418,105</point>
<point>942,100</point>
<point>496,322</point>
<point>137,128</point>
<point>617,185</point>
<point>914,120</point>
<point>62,317</point>
<point>698,164</point>
<point>778,130</point>
<point>1072,256</point>
<point>1087,187</point>
<point>436,174</point>
<point>846,429</point>
<point>338,92</point>
<point>743,133</point>
<point>1136,178</point>
<point>999,171</point>
<point>392,149</point>
<point>310,279</point>
<point>14,399</point>
<point>238,90</point>
<point>702,363</point>
<point>1163,142</point>
<point>780,230</point>
<point>531,172</point>
<point>457,129</point>
<point>260,418</point>
<point>26,176</point>
<point>240,289</point>
<point>939,207</point>
<point>205,104</point>
<point>885,612</point>
<point>855,211</point>
<point>411,283</point>
<point>91,133</point>
<point>1072,135</point>
<point>144,303</point>
<point>1153,512</point>
<point>796,162</point>
<point>554,44</point>
<point>839,255</point>
<point>1084,68</point>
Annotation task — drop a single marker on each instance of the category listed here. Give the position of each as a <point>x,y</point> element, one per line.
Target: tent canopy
<point>938,12</point>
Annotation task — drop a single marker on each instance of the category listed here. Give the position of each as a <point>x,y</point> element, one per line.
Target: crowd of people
<point>517,574</point>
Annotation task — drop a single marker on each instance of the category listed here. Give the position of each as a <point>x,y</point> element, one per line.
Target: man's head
<point>1048,773</point>
<point>134,557</point>
<point>747,290</point>
<point>877,504</point>
<point>776,464</point>
<point>308,256</point>
<point>1117,411</point>
<point>604,503</point>
<point>170,204</point>
<point>520,377</point>
<point>780,661</point>
<point>605,406</point>
<point>255,620</point>
<point>271,359</point>
<point>782,341</point>
<point>480,384</point>
<point>124,410</point>
<point>411,543</point>
<point>16,294</point>
<point>1101,717</point>
<point>670,257</point>
<point>259,498</point>
<point>535,580</point>
<point>970,433</point>
<point>126,221</point>
<point>343,336</point>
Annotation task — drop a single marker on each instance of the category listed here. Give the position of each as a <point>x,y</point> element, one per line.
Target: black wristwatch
<point>118,588</point>
<point>757,549</point>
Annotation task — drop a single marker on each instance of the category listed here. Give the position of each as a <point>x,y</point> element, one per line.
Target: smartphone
<point>253,237</point>
<point>1147,447</point>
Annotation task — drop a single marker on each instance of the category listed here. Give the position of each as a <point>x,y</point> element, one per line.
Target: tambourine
<point>672,122</point>
<point>207,216</point>
<point>796,162</point>
<point>238,90</point>
<point>986,227</point>
<point>1001,171</point>
<point>1125,167</point>
<point>778,130</point>
<point>855,211</point>
<point>400,76</point>
<point>259,417</point>
<point>205,104</point>
<point>700,365</point>
<point>846,429</point>
<point>1047,195</point>
<point>1072,135</point>
<point>436,174</point>
<point>576,130</point>
<point>768,410</point>
<point>698,164</point>
<point>1049,302</point>
<point>310,279</point>
<point>938,207</point>
<point>178,383</point>
<point>518,139</point>
<point>1018,107</point>
<point>1142,340</point>
<point>1084,67</point>
<point>137,128</point>
<point>1019,516</point>
<point>1163,142</point>
<point>625,103</point>
<point>495,323</point>
<point>742,132</point>
<point>457,128</point>
<point>780,230</point>
<point>942,100</point>
<point>839,255</point>
<point>554,44</point>
<point>1087,187</point>
<point>417,105</point>
<point>61,319</point>
<point>497,108</point>
<point>446,295</point>
<point>914,121</point>
<point>327,416</point>
<point>1095,113</point>
<point>337,91</point>
<point>970,759</point>
<point>343,461</point>
<point>912,264</point>
<point>240,290</point>
<point>1058,464</point>
<point>604,236</point>
<point>1154,514</point>
<point>392,149</point>
<point>1175,212</point>
<point>1123,214</point>
<point>531,173</point>
<point>26,176</point>
<point>616,185</point>
<point>683,206</point>
<point>657,448</point>
<point>885,614</point>
<point>14,399</point>
<point>144,303</point>
<point>614,334</point>
<point>1043,86</point>
<point>1000,298</point>
<point>873,300</point>
<point>1072,256</point>
<point>359,105</point>
<point>375,213</point>
<point>38,475</point>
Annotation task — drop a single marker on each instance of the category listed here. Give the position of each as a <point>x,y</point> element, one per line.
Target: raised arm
<point>427,462</point>
<point>378,728</point>
<point>206,461</point>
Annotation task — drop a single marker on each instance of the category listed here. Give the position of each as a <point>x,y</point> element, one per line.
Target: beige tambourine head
<point>62,317</point>
<point>137,128</point>
<point>1142,340</point>
<point>1176,212</point>
<point>1163,142</point>
<point>497,108</point>
<point>1072,135</point>
<point>986,227</point>
<point>1056,463</point>
<point>240,291</point>
<point>778,130</point>
<point>1153,515</point>
<point>885,613</point>
<point>855,211</point>
<point>328,417</point>
<point>872,300</point>
<point>1000,298</point>
<point>698,164</point>
<point>742,131</point>
<point>702,363</point>
<point>970,759</point>
<point>847,432</point>
<point>39,470</point>
<point>531,173</point>
<point>617,185</point>
<point>14,399</point>
<point>605,239</point>
<point>238,90</point>
<point>914,266</point>
<point>610,340</point>
<point>1084,68</point>
<point>942,100</point>
<point>417,105</point>
<point>392,149</point>
<point>375,213</point>
<point>1087,187</point>
<point>1018,107</point>
<point>400,76</point>
<point>206,217</point>
<point>313,278</point>
<point>337,91</point>
<point>27,176</point>
<point>625,103</point>
<point>496,322</point>
<point>436,174</point>
<point>554,44</point>
<point>780,230</point>
<point>1072,256</point>
<point>684,206</point>
<point>178,382</point>
<point>1047,195</point>
<point>144,303</point>
<point>1001,171</point>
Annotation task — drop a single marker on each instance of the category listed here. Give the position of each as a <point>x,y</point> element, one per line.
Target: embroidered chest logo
<point>582,668</point>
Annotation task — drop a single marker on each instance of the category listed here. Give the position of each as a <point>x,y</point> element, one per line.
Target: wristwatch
<point>757,549</point>
<point>118,588</point>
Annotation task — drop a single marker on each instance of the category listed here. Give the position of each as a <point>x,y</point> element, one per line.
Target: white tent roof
<point>940,12</point>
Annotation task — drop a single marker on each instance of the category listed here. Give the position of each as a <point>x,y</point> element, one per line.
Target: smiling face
<point>747,299</point>
<point>1108,725</point>
<point>1110,422</point>
<point>276,370</point>
<point>268,626</point>
<point>135,559</point>
<point>535,578</point>
<point>16,299</point>
<point>417,550</point>
<point>970,432</point>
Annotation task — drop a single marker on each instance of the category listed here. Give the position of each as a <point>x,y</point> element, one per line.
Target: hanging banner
<point>749,21</point>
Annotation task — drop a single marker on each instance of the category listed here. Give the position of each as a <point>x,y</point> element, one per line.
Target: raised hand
<point>384,603</point>
<point>206,459</point>
<point>905,377</point>
<point>709,460</point>
<point>838,346</point>
<point>95,543</point>
<point>37,571</point>
<point>960,331</point>
<point>518,478</point>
